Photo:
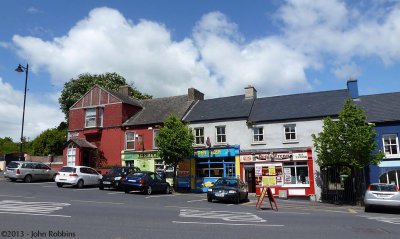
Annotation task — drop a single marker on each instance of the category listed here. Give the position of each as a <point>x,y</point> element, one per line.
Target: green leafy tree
<point>348,141</point>
<point>8,146</point>
<point>51,141</point>
<point>175,142</point>
<point>75,88</point>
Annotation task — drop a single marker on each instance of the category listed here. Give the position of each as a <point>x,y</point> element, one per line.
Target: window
<point>90,118</point>
<point>130,141</point>
<point>71,155</point>
<point>258,134</point>
<point>100,117</point>
<point>290,132</point>
<point>199,135</point>
<point>390,144</point>
<point>155,133</point>
<point>221,136</point>
<point>296,173</point>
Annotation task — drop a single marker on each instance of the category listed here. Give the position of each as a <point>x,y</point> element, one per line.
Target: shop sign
<point>141,155</point>
<point>215,153</point>
<point>300,156</point>
<point>268,157</point>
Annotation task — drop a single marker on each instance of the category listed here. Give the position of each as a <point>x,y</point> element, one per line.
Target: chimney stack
<point>124,90</point>
<point>194,94</point>
<point>352,87</point>
<point>250,92</point>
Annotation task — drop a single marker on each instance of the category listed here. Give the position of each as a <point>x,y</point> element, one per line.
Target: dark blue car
<point>145,182</point>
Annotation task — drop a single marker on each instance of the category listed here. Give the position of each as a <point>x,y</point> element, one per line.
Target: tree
<point>7,146</point>
<point>51,141</point>
<point>175,142</point>
<point>349,141</point>
<point>75,88</point>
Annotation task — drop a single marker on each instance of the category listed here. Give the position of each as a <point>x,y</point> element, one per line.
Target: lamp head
<point>20,68</point>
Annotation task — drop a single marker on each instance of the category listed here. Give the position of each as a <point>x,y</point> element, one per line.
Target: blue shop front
<point>213,163</point>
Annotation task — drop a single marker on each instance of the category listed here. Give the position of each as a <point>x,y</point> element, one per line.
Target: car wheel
<point>28,178</point>
<point>59,185</point>
<point>148,191</point>
<point>101,187</point>
<point>168,190</point>
<point>80,184</point>
<point>367,208</point>
<point>209,199</point>
<point>13,179</point>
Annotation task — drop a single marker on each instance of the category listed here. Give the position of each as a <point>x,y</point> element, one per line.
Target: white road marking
<point>229,224</point>
<point>31,208</point>
<point>223,215</point>
<point>116,193</point>
<point>391,220</point>
<point>85,189</point>
<point>197,200</point>
<point>117,203</point>
<point>160,196</point>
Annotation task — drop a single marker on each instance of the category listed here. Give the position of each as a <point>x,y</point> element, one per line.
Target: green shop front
<point>213,163</point>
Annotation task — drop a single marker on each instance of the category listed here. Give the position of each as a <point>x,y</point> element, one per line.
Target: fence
<point>342,184</point>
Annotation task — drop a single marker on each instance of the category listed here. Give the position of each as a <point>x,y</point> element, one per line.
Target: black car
<point>114,176</point>
<point>228,189</point>
<point>145,182</point>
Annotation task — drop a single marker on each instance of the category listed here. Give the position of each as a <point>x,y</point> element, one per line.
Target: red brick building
<point>108,128</point>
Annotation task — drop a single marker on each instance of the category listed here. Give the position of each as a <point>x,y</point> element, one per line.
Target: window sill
<point>391,156</point>
<point>258,143</point>
<point>221,144</point>
<point>290,142</point>
<point>296,186</point>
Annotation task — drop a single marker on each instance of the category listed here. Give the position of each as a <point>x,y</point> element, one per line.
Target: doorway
<point>249,174</point>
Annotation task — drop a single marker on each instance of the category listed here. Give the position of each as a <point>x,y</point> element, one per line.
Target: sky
<point>218,47</point>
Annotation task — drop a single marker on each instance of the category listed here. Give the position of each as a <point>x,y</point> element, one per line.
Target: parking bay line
<point>229,224</point>
<point>34,214</point>
<point>199,200</point>
<point>116,203</point>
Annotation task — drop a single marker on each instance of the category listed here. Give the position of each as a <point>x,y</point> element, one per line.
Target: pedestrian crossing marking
<point>31,208</point>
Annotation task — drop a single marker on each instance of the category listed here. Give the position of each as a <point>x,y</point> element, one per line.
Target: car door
<point>161,184</point>
<point>47,172</point>
<point>94,176</point>
<point>85,176</point>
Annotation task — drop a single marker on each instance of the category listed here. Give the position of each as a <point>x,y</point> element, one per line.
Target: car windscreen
<point>13,165</point>
<point>114,171</point>
<point>68,170</point>
<point>383,187</point>
<point>226,182</point>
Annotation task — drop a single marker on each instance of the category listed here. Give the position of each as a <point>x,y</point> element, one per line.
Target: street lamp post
<point>21,68</point>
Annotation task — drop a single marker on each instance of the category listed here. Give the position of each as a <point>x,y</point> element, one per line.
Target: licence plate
<point>131,180</point>
<point>105,182</point>
<point>219,194</point>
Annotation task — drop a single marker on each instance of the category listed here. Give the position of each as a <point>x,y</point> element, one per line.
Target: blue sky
<point>218,47</point>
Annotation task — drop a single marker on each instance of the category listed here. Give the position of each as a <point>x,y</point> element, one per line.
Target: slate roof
<point>157,110</point>
<point>232,107</point>
<point>82,143</point>
<point>381,107</point>
<point>124,98</point>
<point>299,106</point>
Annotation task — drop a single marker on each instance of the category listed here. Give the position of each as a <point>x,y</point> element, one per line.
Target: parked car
<point>114,176</point>
<point>228,189</point>
<point>145,182</point>
<point>381,195</point>
<point>29,171</point>
<point>77,176</point>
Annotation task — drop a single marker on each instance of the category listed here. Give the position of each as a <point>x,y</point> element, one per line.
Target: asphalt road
<point>41,210</point>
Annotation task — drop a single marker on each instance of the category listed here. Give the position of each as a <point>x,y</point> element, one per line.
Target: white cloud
<point>38,115</point>
<point>345,72</point>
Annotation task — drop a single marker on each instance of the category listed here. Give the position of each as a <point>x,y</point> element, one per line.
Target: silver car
<point>78,176</point>
<point>29,171</point>
<point>381,194</point>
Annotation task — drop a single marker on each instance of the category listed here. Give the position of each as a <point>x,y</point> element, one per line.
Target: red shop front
<point>287,173</point>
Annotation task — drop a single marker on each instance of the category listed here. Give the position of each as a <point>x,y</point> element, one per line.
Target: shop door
<point>250,179</point>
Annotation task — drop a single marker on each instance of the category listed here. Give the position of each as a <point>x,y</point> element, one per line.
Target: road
<point>41,210</point>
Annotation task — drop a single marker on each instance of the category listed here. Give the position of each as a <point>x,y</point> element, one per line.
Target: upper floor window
<point>221,134</point>
<point>199,135</point>
<point>94,117</point>
<point>290,132</point>
<point>390,144</point>
<point>155,133</point>
<point>90,118</point>
<point>258,134</point>
<point>130,140</point>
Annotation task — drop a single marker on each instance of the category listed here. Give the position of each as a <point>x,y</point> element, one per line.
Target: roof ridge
<point>306,93</point>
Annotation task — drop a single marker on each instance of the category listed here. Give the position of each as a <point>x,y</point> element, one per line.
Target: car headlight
<point>231,191</point>
<point>117,178</point>
<point>209,190</point>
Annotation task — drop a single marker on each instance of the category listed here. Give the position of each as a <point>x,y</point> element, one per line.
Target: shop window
<point>296,173</point>
<point>130,141</point>
<point>290,132</point>
<point>199,135</point>
<point>391,177</point>
<point>390,145</point>
<point>258,134</point>
<point>221,134</point>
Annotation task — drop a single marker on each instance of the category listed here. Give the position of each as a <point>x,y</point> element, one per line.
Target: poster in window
<point>288,178</point>
<point>269,181</point>
<point>279,180</point>
<point>258,170</point>
<point>272,170</point>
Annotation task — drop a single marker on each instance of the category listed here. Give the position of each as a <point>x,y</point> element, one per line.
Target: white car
<point>77,176</point>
